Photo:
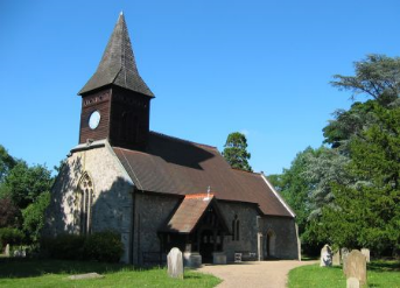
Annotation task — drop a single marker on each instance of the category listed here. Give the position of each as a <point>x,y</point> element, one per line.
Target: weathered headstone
<point>336,258</point>
<point>352,283</point>
<point>175,263</point>
<point>326,256</point>
<point>7,251</point>
<point>367,254</point>
<point>356,266</point>
<point>344,253</point>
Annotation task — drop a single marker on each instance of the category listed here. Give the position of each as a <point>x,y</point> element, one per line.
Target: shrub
<point>104,247</point>
<point>11,236</point>
<point>101,246</point>
<point>64,246</point>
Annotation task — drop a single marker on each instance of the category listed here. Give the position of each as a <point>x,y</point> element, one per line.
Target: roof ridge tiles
<point>182,140</point>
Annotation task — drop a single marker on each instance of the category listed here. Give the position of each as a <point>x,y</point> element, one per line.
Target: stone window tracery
<point>84,199</point>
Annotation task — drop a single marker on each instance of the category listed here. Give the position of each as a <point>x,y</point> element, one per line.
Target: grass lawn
<point>384,274</point>
<point>53,273</point>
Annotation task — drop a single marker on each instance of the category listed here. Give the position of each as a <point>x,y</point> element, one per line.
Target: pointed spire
<point>118,65</point>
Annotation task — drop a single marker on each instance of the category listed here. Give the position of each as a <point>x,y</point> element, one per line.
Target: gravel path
<point>254,274</point>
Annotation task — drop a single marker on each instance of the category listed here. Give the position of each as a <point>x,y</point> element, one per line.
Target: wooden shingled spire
<point>118,65</point>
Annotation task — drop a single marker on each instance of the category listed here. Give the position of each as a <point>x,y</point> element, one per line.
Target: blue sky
<point>258,67</point>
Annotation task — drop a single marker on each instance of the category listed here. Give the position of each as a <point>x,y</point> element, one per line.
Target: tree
<point>24,184</point>
<point>10,215</point>
<point>235,151</point>
<point>34,216</point>
<point>377,76</point>
<point>367,214</point>
<point>349,124</point>
<point>295,188</point>
<point>7,162</point>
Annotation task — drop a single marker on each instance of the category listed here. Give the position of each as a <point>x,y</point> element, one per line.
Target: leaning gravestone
<point>356,266</point>
<point>175,263</point>
<point>367,254</point>
<point>336,258</point>
<point>326,256</point>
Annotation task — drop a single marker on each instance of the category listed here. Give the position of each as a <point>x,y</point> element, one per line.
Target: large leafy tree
<point>377,76</point>
<point>33,216</point>
<point>235,151</point>
<point>10,215</point>
<point>24,184</point>
<point>368,212</point>
<point>24,195</point>
<point>7,162</point>
<point>295,188</point>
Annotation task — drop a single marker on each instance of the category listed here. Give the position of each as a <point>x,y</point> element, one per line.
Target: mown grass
<point>54,273</point>
<point>384,274</point>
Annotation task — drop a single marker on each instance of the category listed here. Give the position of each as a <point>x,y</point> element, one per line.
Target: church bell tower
<point>115,100</point>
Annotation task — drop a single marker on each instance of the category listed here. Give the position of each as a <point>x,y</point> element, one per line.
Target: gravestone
<point>344,253</point>
<point>352,283</point>
<point>356,266</point>
<point>326,256</point>
<point>336,258</point>
<point>175,263</point>
<point>367,254</point>
<point>7,251</point>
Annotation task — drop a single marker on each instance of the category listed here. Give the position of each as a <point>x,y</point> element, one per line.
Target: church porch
<point>197,228</point>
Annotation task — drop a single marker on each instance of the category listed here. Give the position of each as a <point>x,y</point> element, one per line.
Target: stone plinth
<point>352,283</point>
<point>86,276</point>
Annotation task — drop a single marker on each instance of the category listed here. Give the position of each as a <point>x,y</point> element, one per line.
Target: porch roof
<point>188,214</point>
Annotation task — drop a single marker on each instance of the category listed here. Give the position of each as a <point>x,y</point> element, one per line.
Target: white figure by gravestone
<point>326,256</point>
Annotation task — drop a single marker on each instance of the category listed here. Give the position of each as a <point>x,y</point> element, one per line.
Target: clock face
<point>94,120</point>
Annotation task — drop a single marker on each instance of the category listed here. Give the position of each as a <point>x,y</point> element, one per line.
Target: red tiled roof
<point>179,167</point>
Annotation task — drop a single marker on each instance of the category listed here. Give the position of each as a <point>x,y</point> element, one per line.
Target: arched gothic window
<point>83,207</point>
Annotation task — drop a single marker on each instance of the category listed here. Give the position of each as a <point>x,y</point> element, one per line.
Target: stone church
<point>159,191</point>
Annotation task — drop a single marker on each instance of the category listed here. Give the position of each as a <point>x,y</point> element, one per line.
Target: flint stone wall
<point>151,212</point>
<point>286,246</point>
<point>246,214</point>
<point>112,195</point>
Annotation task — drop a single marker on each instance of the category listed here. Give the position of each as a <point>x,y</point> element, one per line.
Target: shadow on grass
<point>21,268</point>
<point>384,266</point>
